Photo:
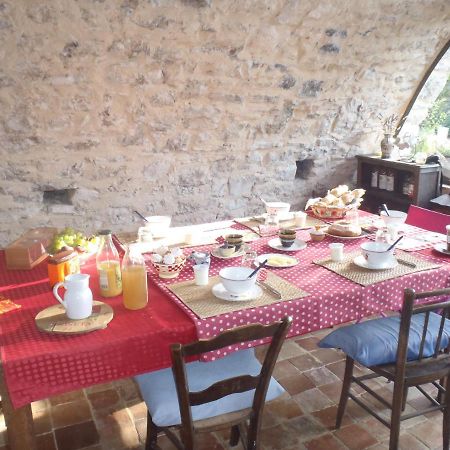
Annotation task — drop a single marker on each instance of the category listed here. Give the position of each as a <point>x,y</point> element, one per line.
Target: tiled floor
<point>113,416</point>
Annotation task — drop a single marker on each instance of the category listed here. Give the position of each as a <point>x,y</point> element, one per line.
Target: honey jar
<point>62,264</point>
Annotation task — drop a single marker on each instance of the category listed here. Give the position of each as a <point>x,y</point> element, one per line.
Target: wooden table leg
<point>19,422</point>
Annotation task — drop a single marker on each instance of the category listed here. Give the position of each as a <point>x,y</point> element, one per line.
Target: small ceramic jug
<point>78,297</point>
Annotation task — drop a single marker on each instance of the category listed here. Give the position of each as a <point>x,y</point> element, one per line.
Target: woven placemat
<point>348,269</point>
<point>254,222</point>
<point>204,304</point>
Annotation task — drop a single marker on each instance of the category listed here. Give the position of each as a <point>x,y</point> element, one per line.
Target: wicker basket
<point>169,270</point>
<point>329,212</point>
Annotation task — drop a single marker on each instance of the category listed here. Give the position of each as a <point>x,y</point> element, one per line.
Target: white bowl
<point>396,218</point>
<point>376,254</point>
<point>235,281</point>
<point>158,225</point>
<point>277,207</point>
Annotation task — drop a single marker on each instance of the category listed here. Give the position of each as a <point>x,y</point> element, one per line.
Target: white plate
<point>297,245</point>
<point>290,261</point>
<point>362,235</point>
<point>216,254</point>
<point>362,262</point>
<point>219,291</point>
<point>442,248</point>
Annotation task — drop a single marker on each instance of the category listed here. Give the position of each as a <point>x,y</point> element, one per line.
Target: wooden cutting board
<point>54,320</point>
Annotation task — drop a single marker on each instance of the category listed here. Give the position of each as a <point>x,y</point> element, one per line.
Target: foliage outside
<point>438,116</point>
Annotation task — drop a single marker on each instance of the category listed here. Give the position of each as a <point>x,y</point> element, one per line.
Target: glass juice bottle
<point>134,277</point>
<point>108,266</point>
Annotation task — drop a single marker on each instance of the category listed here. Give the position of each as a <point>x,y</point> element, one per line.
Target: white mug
<point>78,297</point>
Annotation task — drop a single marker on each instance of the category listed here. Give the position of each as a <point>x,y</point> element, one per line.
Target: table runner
<point>253,223</point>
<point>38,365</point>
<point>201,301</point>
<point>365,277</point>
<point>332,300</point>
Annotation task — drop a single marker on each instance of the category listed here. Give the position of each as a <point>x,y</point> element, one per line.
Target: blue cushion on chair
<point>375,342</point>
<point>159,393</point>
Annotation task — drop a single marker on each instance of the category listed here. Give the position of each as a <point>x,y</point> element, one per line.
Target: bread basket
<point>169,270</point>
<point>329,212</point>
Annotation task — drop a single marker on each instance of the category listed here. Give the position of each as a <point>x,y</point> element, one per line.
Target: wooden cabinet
<point>425,179</point>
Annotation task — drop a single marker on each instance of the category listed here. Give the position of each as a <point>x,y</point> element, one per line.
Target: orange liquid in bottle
<point>135,293</point>
<point>110,278</point>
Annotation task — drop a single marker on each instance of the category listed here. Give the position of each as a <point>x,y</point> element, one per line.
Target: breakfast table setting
<point>329,265</point>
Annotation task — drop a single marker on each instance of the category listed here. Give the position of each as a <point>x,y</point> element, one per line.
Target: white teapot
<point>78,297</point>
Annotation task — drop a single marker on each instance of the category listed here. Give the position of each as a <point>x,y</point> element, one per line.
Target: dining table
<point>37,364</point>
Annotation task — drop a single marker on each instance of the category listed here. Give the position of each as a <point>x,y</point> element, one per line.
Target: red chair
<point>427,219</point>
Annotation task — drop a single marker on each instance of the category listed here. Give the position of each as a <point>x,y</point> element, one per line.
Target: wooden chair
<point>410,351</point>
<point>427,219</point>
<point>194,397</point>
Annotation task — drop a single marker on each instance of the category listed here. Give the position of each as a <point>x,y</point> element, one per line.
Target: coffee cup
<point>377,254</point>
<point>226,250</point>
<point>287,237</point>
<point>235,240</point>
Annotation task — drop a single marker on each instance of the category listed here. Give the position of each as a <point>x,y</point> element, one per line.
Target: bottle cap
<point>104,232</point>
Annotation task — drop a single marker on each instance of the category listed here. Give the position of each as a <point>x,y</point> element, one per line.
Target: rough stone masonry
<point>195,108</point>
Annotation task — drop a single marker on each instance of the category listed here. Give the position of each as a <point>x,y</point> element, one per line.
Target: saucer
<point>219,291</point>
<point>296,245</point>
<point>442,248</point>
<point>362,262</point>
<point>216,254</point>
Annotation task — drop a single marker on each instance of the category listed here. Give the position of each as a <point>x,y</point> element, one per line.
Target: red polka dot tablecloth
<point>38,365</point>
<point>332,300</point>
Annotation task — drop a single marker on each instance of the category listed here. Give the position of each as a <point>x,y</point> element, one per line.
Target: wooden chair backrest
<point>276,332</point>
<point>411,306</point>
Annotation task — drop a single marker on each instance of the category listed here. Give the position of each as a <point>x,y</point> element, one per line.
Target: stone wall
<point>195,108</point>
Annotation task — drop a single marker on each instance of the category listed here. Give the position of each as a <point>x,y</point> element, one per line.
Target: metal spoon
<point>263,264</point>
<point>385,209</point>
<point>140,215</point>
<point>395,243</point>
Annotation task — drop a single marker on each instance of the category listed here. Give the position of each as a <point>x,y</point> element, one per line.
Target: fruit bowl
<point>169,270</point>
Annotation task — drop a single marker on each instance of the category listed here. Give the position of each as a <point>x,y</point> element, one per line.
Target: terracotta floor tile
<point>42,421</point>
<point>67,397</point>
<point>409,442</point>
<point>138,411</point>
<point>284,408</point>
<point>332,390</point>
<point>325,442</point>
<point>285,369</point>
<point>312,400</point>
<point>428,432</point>
<point>105,400</point>
<point>46,442</point>
<point>128,390</point>
<point>77,436</point>
<point>305,428</point>
<point>296,384</point>
<point>355,437</point>
<point>66,414</point>
<point>277,438</point>
<point>117,430</point>
<point>308,343</point>
<point>305,362</point>
<point>290,350</point>
<point>321,376</point>
<point>328,355</point>
<point>327,417</point>
<point>337,368</point>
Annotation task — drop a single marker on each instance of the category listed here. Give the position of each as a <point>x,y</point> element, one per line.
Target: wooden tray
<point>54,320</point>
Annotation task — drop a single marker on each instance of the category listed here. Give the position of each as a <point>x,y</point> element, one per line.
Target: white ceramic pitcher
<point>78,297</point>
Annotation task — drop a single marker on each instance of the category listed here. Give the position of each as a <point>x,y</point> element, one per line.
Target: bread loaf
<point>344,229</point>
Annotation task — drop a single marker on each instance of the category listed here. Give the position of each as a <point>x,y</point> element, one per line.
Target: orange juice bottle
<point>134,276</point>
<point>108,266</point>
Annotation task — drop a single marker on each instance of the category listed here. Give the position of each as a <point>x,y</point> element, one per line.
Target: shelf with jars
<point>397,183</point>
